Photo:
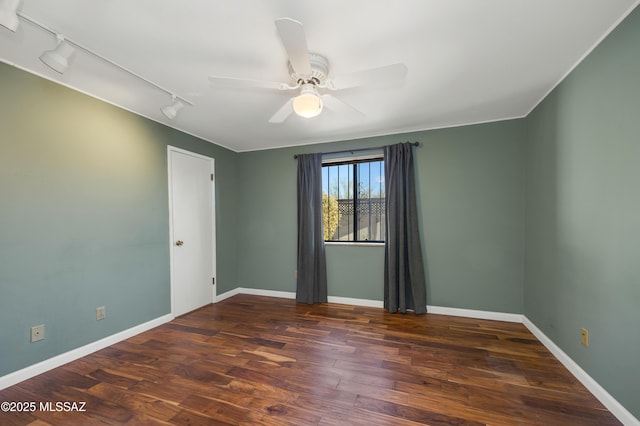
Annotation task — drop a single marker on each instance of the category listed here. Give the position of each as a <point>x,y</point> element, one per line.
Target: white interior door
<point>192,218</point>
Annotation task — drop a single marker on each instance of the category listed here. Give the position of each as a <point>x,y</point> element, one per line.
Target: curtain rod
<point>356,150</point>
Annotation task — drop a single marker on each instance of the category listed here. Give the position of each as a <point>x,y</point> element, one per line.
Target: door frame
<point>211,160</point>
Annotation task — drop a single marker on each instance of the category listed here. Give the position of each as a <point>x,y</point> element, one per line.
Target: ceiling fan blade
<point>241,83</point>
<point>295,43</point>
<point>336,105</point>
<point>385,75</point>
<point>283,113</point>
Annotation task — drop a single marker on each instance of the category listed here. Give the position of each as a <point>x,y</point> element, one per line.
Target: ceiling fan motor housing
<point>319,71</point>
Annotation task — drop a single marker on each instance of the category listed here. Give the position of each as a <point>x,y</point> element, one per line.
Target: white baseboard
<point>468,313</point>
<point>256,292</point>
<point>226,295</point>
<point>594,387</point>
<point>471,313</point>
<point>51,363</point>
<point>292,295</point>
<point>356,302</point>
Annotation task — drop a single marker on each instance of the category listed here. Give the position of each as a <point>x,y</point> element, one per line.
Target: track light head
<point>9,14</point>
<point>59,58</point>
<point>170,111</point>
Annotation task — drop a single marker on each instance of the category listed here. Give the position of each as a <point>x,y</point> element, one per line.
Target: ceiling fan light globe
<point>307,105</point>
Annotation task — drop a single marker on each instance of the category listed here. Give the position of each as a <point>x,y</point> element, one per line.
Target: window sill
<point>352,244</point>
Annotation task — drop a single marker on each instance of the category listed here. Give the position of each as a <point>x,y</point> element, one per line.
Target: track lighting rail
<point>60,36</point>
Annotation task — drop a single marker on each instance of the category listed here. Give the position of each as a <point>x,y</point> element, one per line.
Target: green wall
<point>84,217</point>
<point>582,263</point>
<point>470,196</point>
<point>536,216</point>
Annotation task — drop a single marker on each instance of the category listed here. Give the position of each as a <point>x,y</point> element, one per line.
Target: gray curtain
<point>311,284</point>
<point>404,279</point>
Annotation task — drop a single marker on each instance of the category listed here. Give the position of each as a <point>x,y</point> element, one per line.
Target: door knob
<point>179,242</point>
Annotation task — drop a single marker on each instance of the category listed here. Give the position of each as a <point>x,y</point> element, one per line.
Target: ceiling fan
<point>309,77</point>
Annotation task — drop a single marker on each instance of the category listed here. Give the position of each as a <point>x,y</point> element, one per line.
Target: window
<point>353,201</point>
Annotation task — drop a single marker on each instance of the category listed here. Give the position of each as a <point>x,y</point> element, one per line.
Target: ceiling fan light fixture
<point>9,14</point>
<point>59,58</point>
<point>308,104</point>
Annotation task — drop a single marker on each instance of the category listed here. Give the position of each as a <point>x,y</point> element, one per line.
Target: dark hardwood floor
<point>258,360</point>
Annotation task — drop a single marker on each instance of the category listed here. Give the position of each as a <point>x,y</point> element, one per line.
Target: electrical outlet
<point>295,274</point>
<point>37,333</point>
<point>100,313</point>
<point>584,337</point>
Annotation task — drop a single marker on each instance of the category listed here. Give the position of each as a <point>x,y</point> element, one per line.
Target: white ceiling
<point>468,61</point>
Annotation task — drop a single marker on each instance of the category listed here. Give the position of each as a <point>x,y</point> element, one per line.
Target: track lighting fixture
<point>308,104</point>
<point>171,110</point>
<point>9,14</point>
<point>59,58</point>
